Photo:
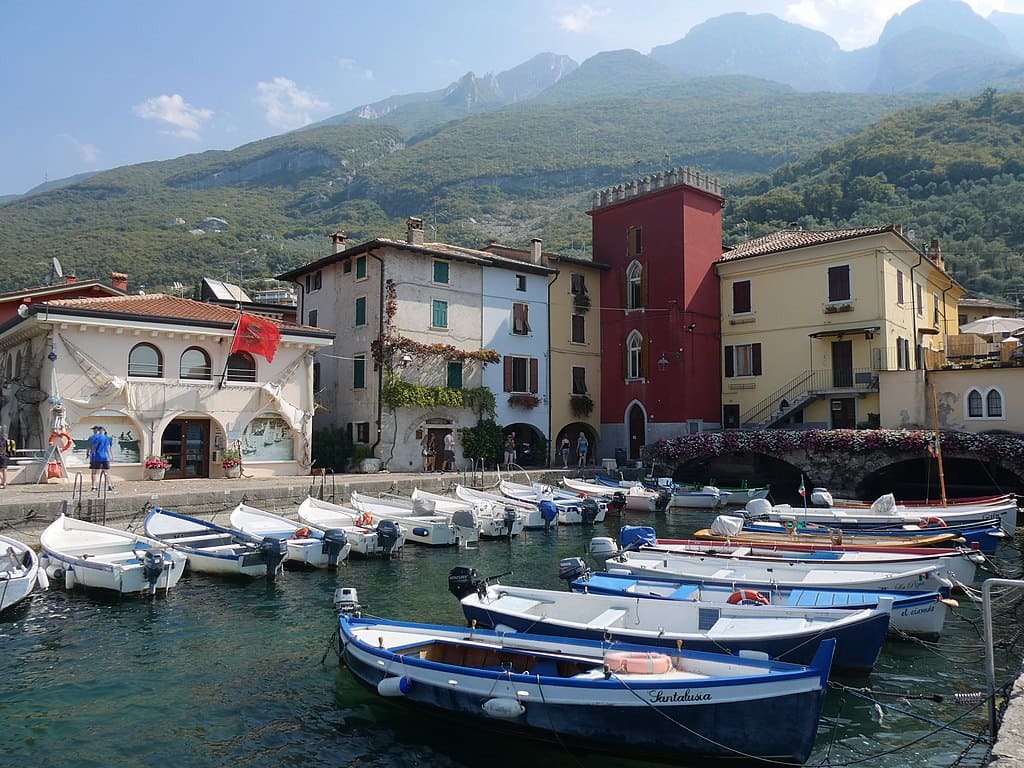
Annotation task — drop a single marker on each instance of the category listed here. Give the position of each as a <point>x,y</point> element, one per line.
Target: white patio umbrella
<point>990,326</point>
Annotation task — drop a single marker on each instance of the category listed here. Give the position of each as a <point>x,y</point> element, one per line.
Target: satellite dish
<point>57,271</point>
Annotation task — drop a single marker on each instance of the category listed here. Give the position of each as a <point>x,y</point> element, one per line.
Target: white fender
<point>42,579</point>
<point>503,708</point>
<point>394,686</point>
<point>69,578</point>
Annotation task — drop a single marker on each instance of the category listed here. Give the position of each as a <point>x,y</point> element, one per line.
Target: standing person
<point>566,449</point>
<point>582,446</point>
<point>429,452</point>
<point>448,465</point>
<point>99,455</point>
<point>3,456</point>
<point>510,450</point>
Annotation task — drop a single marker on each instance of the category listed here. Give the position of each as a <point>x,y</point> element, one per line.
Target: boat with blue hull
<point>917,614</point>
<point>635,701</point>
<point>785,633</point>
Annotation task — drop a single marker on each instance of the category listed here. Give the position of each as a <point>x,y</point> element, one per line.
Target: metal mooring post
<point>990,662</point>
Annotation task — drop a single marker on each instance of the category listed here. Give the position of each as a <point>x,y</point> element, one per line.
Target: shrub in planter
<point>581,405</point>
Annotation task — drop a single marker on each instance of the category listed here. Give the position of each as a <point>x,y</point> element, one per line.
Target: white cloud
<point>351,65</point>
<point>184,119</point>
<point>287,106</point>
<point>88,153</point>
<point>581,19</point>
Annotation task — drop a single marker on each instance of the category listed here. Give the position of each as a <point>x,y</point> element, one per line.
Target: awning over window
<point>868,332</point>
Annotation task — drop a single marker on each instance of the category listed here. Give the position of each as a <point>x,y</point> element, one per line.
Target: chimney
<point>935,253</point>
<point>414,233</point>
<point>119,280</point>
<point>794,226</point>
<point>535,250</point>
<point>69,279</point>
<point>898,228</point>
<point>339,240</point>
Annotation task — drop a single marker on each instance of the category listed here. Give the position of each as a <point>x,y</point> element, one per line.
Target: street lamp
<point>663,363</point>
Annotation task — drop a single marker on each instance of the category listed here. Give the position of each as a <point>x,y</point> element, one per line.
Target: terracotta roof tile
<point>789,239</point>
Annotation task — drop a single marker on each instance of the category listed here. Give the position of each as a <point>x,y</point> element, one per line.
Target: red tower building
<point>660,372</point>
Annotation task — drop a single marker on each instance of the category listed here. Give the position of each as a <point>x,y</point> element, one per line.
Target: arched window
<point>634,286</point>
<point>145,360</point>
<point>994,404</point>
<point>195,364</point>
<point>974,409</point>
<point>635,368</point>
<point>241,367</point>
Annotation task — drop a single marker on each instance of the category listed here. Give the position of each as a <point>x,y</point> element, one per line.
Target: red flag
<point>257,335</point>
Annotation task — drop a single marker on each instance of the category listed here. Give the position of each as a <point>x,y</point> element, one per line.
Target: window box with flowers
<point>845,306</point>
<point>232,464</point>
<point>581,405</point>
<point>156,466</point>
<point>523,401</point>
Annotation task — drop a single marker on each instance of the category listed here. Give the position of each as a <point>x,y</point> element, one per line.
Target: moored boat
<point>571,508</point>
<point>533,518</point>
<point>217,549</point>
<point>79,553</point>
<point>786,633</point>
<point>918,614</point>
<point>20,573</point>
<point>495,520</point>
<point>439,529</point>
<point>736,529</point>
<point>637,701</point>
<point>637,498</point>
<point>306,545</point>
<point>366,537</point>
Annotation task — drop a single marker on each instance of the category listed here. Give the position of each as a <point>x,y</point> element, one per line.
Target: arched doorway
<point>636,426</point>
<point>531,447</point>
<point>571,432</point>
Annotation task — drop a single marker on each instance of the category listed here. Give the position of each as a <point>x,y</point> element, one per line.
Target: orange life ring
<point>365,520</point>
<point>748,597</point>
<point>63,438</point>
<point>932,521</point>
<point>640,663</point>
<point>301,533</point>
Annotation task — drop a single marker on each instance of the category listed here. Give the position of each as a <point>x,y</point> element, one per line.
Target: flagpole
<point>234,334</point>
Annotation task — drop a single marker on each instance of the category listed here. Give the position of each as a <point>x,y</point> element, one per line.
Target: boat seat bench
<point>607,618</point>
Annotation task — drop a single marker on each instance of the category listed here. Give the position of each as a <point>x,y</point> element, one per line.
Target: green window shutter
<point>360,268</point>
<point>730,363</point>
<point>440,318</point>
<point>455,375</point>
<point>441,272</point>
<point>361,310</point>
<point>359,373</point>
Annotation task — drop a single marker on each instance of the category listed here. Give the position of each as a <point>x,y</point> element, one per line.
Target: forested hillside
<point>519,172</point>
<point>953,171</point>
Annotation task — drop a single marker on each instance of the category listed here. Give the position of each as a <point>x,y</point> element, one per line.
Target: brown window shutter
<point>534,373</point>
<point>526,319</point>
<point>730,364</point>
<point>645,358</point>
<point>508,374</point>
<point>755,361</point>
<point>625,358</point>
<point>643,287</point>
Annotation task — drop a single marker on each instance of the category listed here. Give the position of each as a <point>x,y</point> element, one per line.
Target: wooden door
<point>186,445</point>
<point>637,431</point>
<point>844,413</point>
<point>842,363</point>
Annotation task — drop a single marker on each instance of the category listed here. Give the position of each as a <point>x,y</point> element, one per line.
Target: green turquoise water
<point>225,673</point>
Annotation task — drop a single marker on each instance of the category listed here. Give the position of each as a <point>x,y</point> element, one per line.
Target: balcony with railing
<point>807,387</point>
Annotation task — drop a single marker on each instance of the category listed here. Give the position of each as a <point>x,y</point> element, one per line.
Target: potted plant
<point>232,463</point>
<point>581,405</point>
<point>523,401</point>
<point>156,466</point>
<point>581,301</point>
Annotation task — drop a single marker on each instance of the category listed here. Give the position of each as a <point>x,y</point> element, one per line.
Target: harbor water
<point>230,673</point>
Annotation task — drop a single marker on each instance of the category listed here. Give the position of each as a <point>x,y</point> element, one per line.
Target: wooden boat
<point>957,564</point>
<point>306,545</point>
<point>885,511</point>
<point>437,530</point>
<point>367,538</point>
<point>783,632</point>
<point>495,520</point>
<point>784,572</point>
<point>571,508</point>
<point>918,614</point>
<point>637,498</point>
<point>531,514</point>
<point>636,701</point>
<point>213,548</point>
<point>736,529</point>
<point>20,573</point>
<point>79,553</point>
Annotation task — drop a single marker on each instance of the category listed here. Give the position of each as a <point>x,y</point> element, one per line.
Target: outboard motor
<point>820,497</point>
<point>588,511</point>
<point>602,548</point>
<point>346,601</point>
<point>462,580</point>
<point>757,509</point>
<point>617,503</point>
<point>510,519</point>
<point>335,540</point>
<point>387,535</point>
<point>572,568</point>
<point>664,497</point>
<point>549,511</point>
<point>153,564</point>
<point>275,550</point>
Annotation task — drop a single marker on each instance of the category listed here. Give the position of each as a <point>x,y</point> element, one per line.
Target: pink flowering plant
<point>156,462</point>
<point>231,459</point>
<point>889,441</point>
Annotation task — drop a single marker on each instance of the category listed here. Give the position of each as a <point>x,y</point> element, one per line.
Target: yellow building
<point>810,320</point>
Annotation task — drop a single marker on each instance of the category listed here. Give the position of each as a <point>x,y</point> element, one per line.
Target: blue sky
<point>96,85</point>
